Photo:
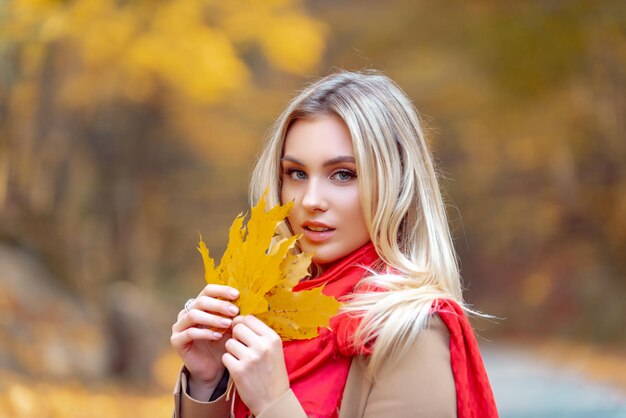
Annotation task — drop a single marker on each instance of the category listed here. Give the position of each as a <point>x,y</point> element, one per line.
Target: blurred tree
<point>555,177</point>
<point>127,126</point>
<point>524,106</point>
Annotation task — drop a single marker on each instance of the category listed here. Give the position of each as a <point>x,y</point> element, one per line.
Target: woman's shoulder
<point>418,382</point>
<point>432,343</point>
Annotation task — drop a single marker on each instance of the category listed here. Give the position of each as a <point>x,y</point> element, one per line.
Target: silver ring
<point>188,304</point>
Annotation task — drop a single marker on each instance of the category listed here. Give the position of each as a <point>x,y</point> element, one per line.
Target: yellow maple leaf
<point>265,270</point>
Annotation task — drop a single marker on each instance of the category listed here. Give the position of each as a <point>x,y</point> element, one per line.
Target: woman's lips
<point>317,232</point>
<point>318,236</point>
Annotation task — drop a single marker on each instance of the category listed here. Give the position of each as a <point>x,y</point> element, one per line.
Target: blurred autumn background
<point>127,127</point>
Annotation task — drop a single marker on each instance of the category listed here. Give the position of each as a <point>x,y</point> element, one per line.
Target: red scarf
<point>474,398</point>
<point>318,367</point>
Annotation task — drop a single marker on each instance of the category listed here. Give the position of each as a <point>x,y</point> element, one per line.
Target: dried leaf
<point>296,315</point>
<point>265,270</point>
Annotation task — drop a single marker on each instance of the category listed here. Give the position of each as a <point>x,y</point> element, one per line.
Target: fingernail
<point>225,321</point>
<point>217,335</point>
<point>233,292</point>
<point>233,309</point>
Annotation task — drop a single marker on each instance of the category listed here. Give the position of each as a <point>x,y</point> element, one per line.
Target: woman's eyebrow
<point>337,160</point>
<point>292,159</point>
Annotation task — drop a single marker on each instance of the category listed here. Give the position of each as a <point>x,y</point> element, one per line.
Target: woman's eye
<point>344,175</point>
<point>296,174</point>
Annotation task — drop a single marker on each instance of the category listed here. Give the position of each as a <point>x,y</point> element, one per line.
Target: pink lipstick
<point>317,232</point>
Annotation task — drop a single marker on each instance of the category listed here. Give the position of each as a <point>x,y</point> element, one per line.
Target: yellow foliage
<point>192,46</point>
<point>105,38</point>
<point>293,43</point>
<point>165,368</point>
<point>23,397</point>
<point>265,271</point>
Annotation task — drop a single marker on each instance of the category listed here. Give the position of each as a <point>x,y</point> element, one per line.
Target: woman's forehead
<point>321,137</point>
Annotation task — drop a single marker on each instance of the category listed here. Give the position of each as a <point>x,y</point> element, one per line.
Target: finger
<point>210,304</point>
<point>219,291</point>
<point>256,325</point>
<point>238,319</point>
<point>181,339</point>
<point>237,349</point>
<point>197,317</point>
<point>233,365</point>
<point>242,333</point>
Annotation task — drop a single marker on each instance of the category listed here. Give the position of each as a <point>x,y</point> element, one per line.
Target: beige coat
<point>419,385</point>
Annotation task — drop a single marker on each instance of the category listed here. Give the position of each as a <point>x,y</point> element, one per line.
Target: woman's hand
<point>199,347</point>
<point>254,358</point>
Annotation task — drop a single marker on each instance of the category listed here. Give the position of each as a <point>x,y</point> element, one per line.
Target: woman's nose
<point>314,197</point>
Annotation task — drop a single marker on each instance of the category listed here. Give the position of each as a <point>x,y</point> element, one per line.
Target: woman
<point>350,152</point>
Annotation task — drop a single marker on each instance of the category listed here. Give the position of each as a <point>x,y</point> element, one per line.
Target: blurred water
<point>528,387</point>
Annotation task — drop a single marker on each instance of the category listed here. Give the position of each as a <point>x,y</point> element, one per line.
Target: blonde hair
<point>400,198</point>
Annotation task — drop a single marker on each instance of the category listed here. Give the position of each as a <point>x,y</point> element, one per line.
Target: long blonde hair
<point>400,198</point>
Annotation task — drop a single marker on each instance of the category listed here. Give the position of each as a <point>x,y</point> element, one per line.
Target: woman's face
<point>319,175</point>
